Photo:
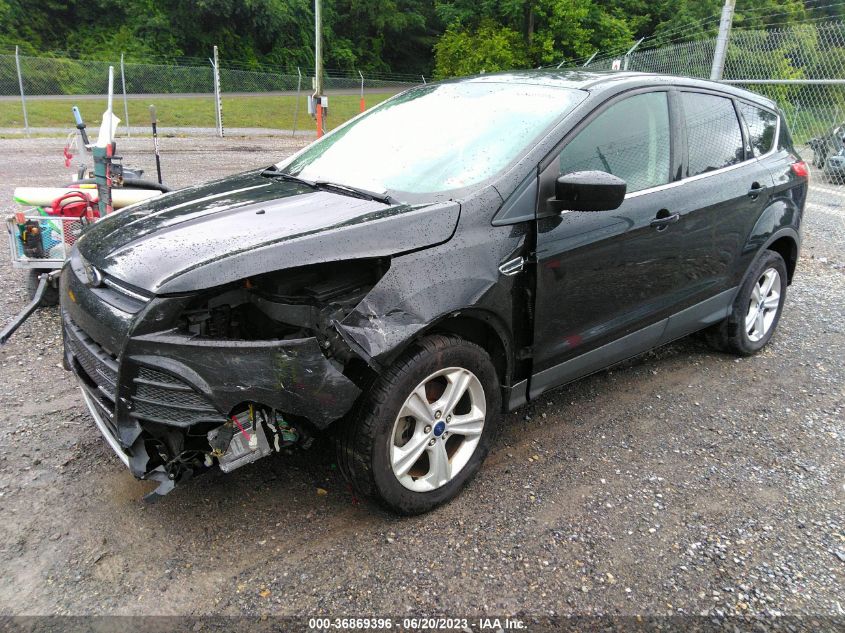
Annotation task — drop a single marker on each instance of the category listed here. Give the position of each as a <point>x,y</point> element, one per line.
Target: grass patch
<point>242,111</point>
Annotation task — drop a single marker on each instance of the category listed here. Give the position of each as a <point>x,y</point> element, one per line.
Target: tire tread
<point>357,432</point>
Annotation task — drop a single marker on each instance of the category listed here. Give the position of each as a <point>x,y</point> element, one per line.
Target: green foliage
<point>408,36</point>
<point>549,30</point>
<point>489,48</point>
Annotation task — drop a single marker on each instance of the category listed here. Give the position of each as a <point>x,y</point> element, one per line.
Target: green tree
<point>459,36</point>
<point>488,48</point>
<point>550,30</point>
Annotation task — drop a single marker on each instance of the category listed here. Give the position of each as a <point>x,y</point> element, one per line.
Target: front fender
<point>423,287</point>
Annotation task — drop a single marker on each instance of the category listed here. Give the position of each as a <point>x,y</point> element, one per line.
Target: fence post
<point>20,83</point>
<point>363,106</point>
<point>627,60</point>
<point>721,51</point>
<point>586,63</point>
<point>296,107</point>
<point>218,101</point>
<point>125,102</point>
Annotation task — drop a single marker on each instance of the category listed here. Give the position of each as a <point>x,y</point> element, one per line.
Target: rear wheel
<point>424,428</point>
<point>756,310</point>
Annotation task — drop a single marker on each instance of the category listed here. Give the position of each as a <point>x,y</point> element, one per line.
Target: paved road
<point>682,482</point>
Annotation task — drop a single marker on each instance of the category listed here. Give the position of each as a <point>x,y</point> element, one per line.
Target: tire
<point>51,292</point>
<point>372,442</point>
<point>740,334</point>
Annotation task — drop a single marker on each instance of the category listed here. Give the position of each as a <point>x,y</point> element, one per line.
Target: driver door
<point>608,280</point>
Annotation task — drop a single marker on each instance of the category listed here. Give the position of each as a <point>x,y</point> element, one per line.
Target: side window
<point>785,137</point>
<point>714,137</point>
<point>762,127</point>
<point>629,140</point>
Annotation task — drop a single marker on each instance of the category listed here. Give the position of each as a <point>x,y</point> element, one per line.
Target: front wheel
<point>425,427</point>
<point>756,310</point>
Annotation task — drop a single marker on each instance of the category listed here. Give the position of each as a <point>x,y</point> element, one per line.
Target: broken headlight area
<point>294,303</point>
<point>252,431</point>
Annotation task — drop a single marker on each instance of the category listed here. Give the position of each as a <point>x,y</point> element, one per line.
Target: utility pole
<point>318,48</point>
<point>318,66</point>
<point>719,55</point>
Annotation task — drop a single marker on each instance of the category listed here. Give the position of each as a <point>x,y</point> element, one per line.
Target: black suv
<point>444,257</point>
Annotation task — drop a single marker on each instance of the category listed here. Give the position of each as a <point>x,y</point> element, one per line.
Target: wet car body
<point>262,302</point>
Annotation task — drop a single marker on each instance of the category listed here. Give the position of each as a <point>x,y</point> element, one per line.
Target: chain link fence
<point>183,94</point>
<point>800,66</point>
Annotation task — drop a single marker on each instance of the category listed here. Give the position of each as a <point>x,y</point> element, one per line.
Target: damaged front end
<point>178,384</point>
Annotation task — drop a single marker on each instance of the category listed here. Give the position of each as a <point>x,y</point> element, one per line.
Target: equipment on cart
<point>41,237</point>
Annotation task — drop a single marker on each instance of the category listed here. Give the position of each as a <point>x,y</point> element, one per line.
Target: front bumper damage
<point>157,400</point>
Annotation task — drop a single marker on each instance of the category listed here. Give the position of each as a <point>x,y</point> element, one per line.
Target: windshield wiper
<point>356,192</point>
<point>272,172</point>
<point>327,185</point>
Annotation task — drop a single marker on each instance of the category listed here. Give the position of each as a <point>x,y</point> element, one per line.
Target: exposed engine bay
<point>295,304</point>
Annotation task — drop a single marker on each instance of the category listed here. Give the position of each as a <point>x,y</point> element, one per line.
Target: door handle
<point>662,222</point>
<point>756,190</point>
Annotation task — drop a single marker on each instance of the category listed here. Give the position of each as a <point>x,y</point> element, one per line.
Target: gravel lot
<point>682,482</point>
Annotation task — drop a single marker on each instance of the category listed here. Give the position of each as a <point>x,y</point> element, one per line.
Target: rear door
<point>725,189</point>
<point>771,144</point>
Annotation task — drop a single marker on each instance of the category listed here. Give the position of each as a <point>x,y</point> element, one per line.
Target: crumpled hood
<point>249,224</point>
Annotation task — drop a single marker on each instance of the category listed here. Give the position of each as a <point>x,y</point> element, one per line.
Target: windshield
<point>435,138</point>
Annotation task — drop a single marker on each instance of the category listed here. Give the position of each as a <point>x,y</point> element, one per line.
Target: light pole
<point>318,66</point>
<point>719,55</point>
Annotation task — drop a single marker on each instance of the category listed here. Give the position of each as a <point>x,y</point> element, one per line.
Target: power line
<point>792,23</point>
<point>679,31</point>
<point>829,5</point>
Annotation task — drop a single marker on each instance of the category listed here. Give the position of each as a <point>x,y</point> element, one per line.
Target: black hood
<point>249,224</point>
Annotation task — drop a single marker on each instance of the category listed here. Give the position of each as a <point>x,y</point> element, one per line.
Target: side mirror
<point>589,191</point>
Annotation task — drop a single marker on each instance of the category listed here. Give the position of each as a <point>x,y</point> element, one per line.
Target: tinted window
<point>785,138</point>
<point>713,134</point>
<point>629,140</point>
<point>762,127</point>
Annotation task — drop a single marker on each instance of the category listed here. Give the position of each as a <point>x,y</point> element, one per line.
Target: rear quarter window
<point>785,137</point>
<point>762,128</point>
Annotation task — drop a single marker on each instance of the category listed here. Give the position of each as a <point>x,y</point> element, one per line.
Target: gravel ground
<point>681,482</point>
